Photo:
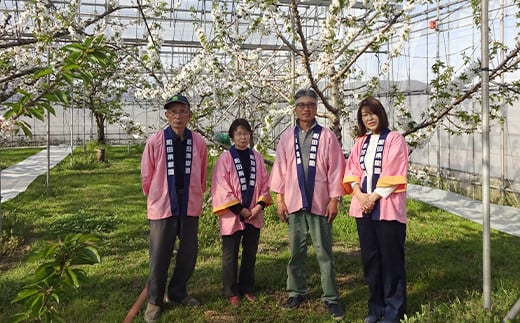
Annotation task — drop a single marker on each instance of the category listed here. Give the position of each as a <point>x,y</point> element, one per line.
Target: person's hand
<point>364,200</point>
<point>370,202</point>
<point>245,213</point>
<point>281,209</point>
<point>332,209</point>
<point>255,211</point>
<point>367,207</point>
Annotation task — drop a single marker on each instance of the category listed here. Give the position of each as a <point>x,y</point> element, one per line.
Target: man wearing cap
<point>173,171</point>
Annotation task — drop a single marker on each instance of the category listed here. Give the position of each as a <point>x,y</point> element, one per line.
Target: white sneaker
<point>152,313</point>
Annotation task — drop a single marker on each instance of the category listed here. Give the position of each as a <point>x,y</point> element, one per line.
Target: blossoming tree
<point>229,77</point>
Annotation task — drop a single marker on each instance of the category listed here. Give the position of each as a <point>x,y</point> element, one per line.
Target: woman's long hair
<point>375,107</point>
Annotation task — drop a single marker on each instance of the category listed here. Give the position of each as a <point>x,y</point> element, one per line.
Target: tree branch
<point>501,68</point>
<point>32,40</point>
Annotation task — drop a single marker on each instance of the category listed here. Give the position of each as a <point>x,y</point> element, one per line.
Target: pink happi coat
<point>225,192</point>
<point>393,173</point>
<point>154,179</point>
<point>330,165</point>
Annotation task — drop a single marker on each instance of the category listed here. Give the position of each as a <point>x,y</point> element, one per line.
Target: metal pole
<point>502,117</point>
<point>513,312</point>
<point>47,178</point>
<point>486,239</point>
<point>437,56</point>
<point>1,217</point>
<point>47,182</point>
<point>71,130</point>
<point>448,62</point>
<point>293,62</point>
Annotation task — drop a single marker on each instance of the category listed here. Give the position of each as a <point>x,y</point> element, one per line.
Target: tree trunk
<point>100,125</point>
<point>336,101</point>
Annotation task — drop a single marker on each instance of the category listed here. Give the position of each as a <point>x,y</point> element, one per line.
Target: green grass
<point>11,156</point>
<point>443,254</point>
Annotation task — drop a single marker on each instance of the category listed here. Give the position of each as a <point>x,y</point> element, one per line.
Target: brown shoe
<point>152,313</point>
<point>250,297</point>
<point>235,301</point>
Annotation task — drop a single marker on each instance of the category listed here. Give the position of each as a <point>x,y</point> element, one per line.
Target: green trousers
<point>302,223</point>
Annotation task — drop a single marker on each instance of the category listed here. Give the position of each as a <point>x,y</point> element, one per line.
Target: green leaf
<point>95,60</point>
<point>72,278</point>
<point>19,317</point>
<point>88,255</point>
<point>102,55</point>
<point>42,72</point>
<point>71,66</point>
<point>38,113</point>
<point>81,274</point>
<point>73,237</point>
<point>68,77</point>
<point>88,238</point>
<point>74,48</point>
<point>23,92</point>
<point>51,110</point>
<point>44,272</point>
<point>50,96</point>
<point>9,113</point>
<point>88,41</point>
<point>62,96</point>
<point>55,297</point>
<point>36,305</point>
<point>26,130</point>
<point>86,75</point>
<point>25,293</point>
<point>72,58</point>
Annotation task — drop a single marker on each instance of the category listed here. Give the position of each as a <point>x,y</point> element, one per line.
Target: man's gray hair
<point>305,92</point>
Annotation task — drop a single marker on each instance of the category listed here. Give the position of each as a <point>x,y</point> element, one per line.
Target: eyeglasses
<point>180,113</point>
<point>310,105</point>
<point>242,134</point>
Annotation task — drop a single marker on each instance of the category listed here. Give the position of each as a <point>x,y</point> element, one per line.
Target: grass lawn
<point>443,254</point>
<point>11,156</point>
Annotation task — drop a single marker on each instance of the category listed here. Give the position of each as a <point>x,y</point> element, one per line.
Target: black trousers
<point>382,256</point>
<point>236,283</point>
<point>163,235</point>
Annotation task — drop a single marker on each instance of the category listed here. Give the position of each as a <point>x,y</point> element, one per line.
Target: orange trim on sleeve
<point>400,181</point>
<point>267,200</point>
<point>391,181</point>
<point>223,209</point>
<point>347,180</point>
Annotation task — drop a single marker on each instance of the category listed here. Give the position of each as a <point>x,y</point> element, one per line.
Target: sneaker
<point>152,313</point>
<point>235,301</point>
<point>335,310</point>
<point>190,301</point>
<point>250,297</point>
<point>293,302</point>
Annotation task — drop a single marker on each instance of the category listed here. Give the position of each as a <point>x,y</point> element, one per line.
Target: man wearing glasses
<point>173,171</point>
<point>307,175</point>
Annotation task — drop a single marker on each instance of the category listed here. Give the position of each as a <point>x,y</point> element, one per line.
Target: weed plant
<point>443,255</point>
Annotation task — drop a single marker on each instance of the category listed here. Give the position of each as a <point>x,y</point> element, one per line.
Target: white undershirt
<point>370,155</point>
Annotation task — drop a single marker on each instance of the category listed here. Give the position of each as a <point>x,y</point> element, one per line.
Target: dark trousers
<point>244,282</point>
<point>163,234</point>
<point>382,255</point>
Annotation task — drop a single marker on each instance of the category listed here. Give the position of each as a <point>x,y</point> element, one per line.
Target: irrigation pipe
<point>512,312</point>
<point>137,305</point>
